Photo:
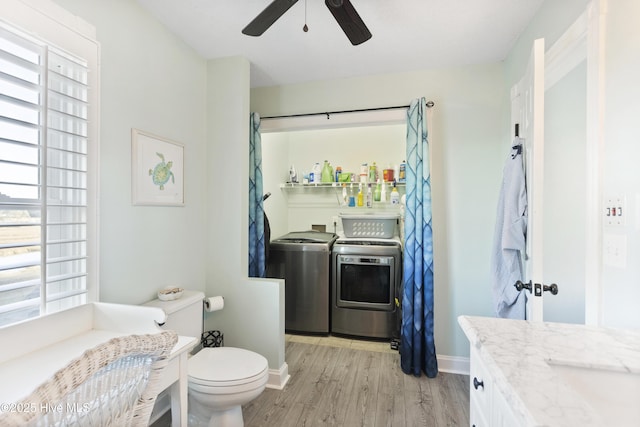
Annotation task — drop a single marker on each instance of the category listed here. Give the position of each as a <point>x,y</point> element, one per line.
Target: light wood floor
<point>342,382</point>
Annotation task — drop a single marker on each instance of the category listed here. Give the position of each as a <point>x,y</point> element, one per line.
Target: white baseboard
<point>453,364</point>
<point>278,377</point>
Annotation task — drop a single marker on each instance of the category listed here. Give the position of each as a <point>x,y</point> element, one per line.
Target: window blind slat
<point>64,295</point>
<point>19,67</point>
<point>20,285</point>
<point>14,262</point>
<point>6,308</point>
<point>61,241</point>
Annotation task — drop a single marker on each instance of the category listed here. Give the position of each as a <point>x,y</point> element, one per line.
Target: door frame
<point>584,39</point>
<point>527,119</point>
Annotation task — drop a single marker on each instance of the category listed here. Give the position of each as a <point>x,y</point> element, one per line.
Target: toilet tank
<point>184,315</point>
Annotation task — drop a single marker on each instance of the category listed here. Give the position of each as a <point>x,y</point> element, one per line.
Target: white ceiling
<point>408,35</point>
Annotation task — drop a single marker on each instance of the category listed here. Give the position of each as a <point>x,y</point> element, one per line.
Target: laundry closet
<point>358,310</point>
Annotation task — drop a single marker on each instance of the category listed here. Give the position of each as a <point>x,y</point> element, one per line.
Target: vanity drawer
<point>480,383</point>
<point>478,416</point>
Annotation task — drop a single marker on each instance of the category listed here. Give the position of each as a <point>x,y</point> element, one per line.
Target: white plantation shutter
<point>44,161</point>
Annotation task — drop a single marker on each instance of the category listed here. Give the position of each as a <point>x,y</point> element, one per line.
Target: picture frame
<point>157,170</point>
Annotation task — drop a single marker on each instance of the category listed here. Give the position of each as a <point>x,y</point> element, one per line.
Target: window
<point>47,173</point>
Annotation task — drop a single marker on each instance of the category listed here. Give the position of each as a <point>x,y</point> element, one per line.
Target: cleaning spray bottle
<point>378,193</point>
<point>395,196</point>
<point>352,199</point>
<point>369,197</point>
<point>360,196</point>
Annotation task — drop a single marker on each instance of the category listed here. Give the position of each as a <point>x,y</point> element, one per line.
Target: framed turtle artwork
<point>157,169</point>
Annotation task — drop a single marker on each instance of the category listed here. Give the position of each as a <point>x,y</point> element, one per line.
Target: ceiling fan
<point>342,10</point>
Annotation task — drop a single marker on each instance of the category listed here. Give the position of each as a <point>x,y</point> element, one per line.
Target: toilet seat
<point>220,367</point>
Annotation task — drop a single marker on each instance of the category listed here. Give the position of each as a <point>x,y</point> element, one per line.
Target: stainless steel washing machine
<point>303,259</point>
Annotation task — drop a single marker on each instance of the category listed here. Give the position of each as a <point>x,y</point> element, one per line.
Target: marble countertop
<point>520,354</point>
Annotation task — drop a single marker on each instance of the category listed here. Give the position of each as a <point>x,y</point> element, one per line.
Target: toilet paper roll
<point>213,304</point>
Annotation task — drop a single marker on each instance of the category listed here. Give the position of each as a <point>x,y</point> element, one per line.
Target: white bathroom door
<point>527,111</point>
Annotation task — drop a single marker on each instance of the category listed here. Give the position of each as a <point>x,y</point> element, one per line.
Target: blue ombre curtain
<point>417,347</point>
<point>256,209</point>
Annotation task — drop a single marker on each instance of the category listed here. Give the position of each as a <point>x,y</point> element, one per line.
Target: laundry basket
<point>369,225</point>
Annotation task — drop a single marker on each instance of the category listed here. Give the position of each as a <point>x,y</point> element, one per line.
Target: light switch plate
<point>615,211</point>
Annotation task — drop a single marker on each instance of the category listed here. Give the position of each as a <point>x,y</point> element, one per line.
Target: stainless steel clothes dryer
<point>366,287</point>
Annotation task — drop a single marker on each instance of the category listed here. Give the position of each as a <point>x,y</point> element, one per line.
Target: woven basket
<point>113,384</point>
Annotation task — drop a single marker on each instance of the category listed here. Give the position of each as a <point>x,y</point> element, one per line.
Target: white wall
<point>468,142</point>
<point>551,21</point>
<point>253,317</point>
<point>151,81</point>
<point>154,82</point>
<point>621,286</point>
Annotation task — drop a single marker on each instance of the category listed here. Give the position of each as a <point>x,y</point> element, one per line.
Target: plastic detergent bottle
<point>345,199</point>
<point>402,176</point>
<point>314,175</point>
<point>364,172</point>
<point>369,197</point>
<point>293,175</point>
<point>383,193</point>
<point>327,172</point>
<point>373,172</point>
<point>377,194</point>
<point>338,173</point>
<point>395,196</point>
<point>352,199</point>
<point>360,201</point>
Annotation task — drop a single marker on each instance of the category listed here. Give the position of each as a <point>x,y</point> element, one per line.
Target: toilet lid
<point>227,365</point>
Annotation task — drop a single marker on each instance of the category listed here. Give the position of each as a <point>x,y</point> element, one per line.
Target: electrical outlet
<point>614,251</point>
<point>615,211</point>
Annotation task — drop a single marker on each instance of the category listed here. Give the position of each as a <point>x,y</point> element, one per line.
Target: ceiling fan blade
<point>349,20</point>
<point>267,17</point>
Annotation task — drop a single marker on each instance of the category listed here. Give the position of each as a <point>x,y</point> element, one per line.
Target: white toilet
<point>221,379</point>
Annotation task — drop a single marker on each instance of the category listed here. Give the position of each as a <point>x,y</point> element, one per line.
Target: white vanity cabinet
<point>487,405</point>
<point>529,374</point>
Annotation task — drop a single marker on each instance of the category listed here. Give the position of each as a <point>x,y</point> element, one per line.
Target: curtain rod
<point>430,104</point>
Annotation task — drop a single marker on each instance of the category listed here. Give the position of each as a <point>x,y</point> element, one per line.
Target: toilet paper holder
<point>213,304</point>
